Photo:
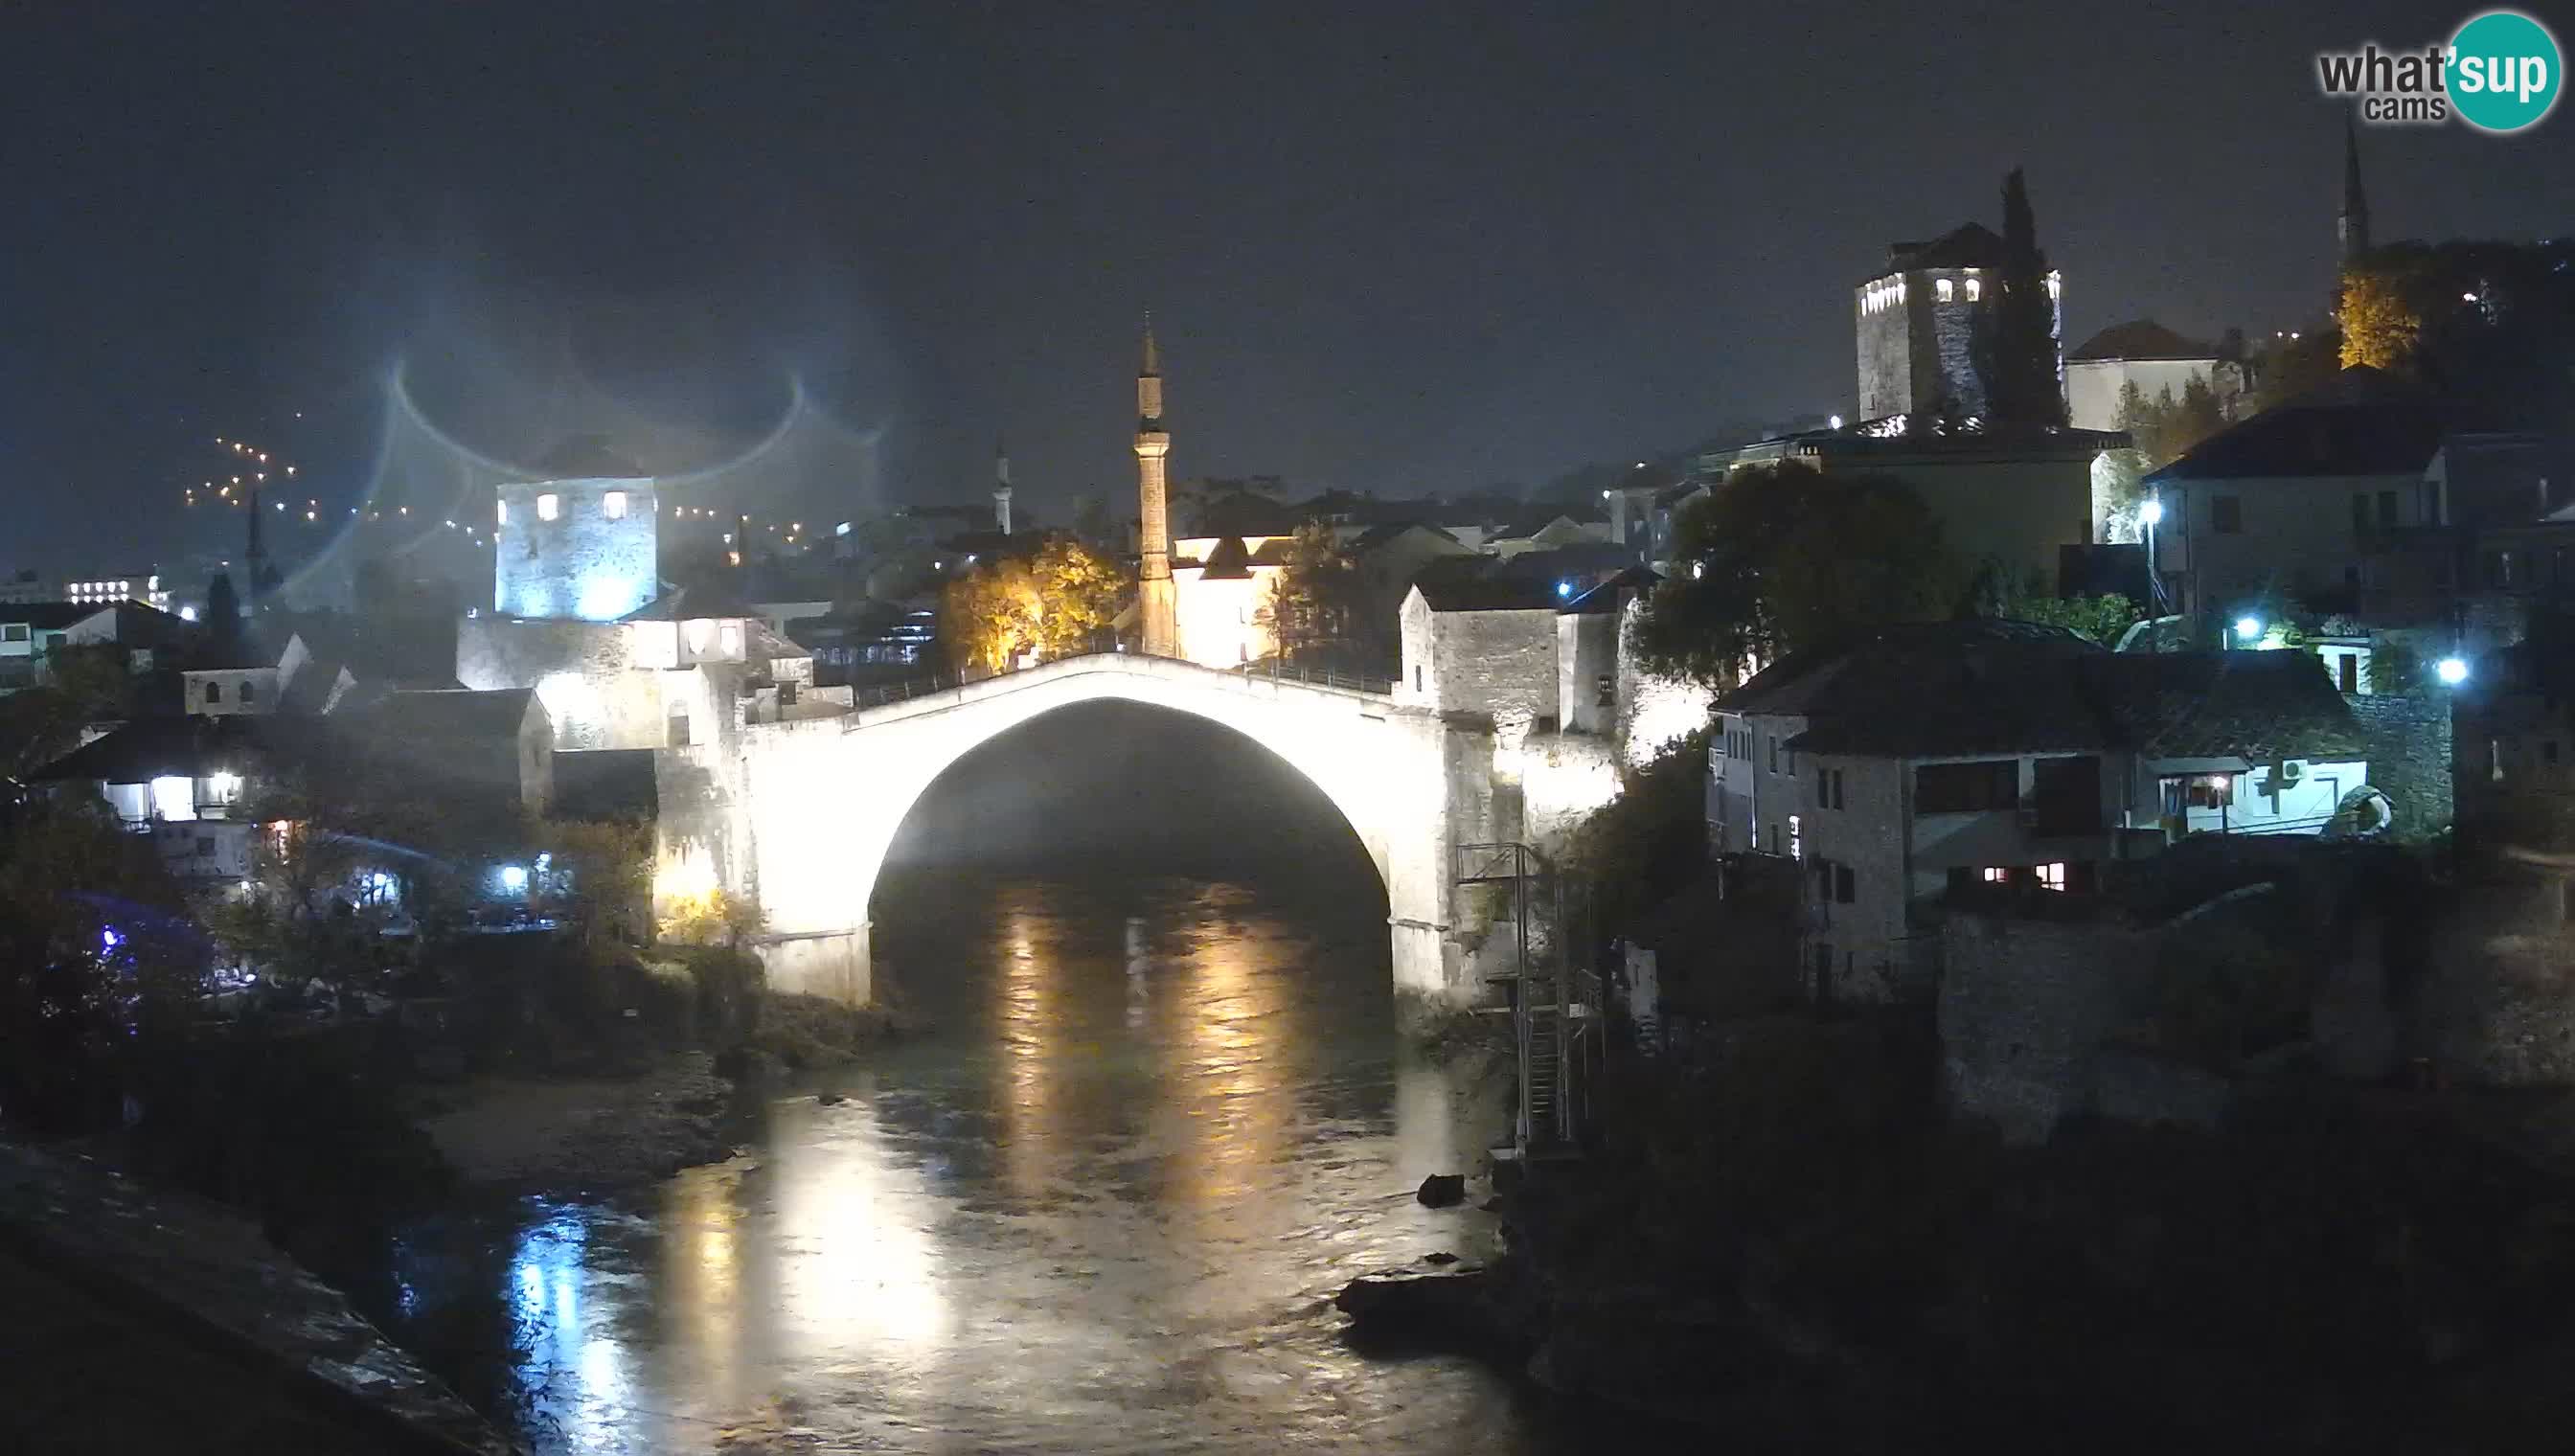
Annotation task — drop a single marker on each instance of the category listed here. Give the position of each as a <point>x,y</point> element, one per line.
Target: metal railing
<point>884,694</point>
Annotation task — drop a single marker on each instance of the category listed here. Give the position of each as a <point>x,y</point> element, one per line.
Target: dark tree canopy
<point>1781,558</point>
<point>2015,345</point>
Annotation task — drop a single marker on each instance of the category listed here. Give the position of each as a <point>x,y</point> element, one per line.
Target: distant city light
<point>2248,628</point>
<point>2452,672</point>
<point>2152,513</point>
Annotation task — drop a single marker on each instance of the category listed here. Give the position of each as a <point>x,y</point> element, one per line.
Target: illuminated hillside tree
<point>1054,604</point>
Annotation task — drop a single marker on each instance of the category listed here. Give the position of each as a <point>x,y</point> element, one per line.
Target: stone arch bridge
<point>799,813</point>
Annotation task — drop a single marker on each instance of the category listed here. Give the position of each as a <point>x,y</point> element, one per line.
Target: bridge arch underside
<point>823,799</point>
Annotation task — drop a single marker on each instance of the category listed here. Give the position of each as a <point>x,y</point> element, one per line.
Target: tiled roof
<point>2260,705</point>
<point>445,714</point>
<point>1474,584</point>
<point>586,457</point>
<point>1986,687</point>
<point>2139,339</point>
<point>1968,687</point>
<point>48,615</point>
<point>1970,245</point>
<point>2362,423</point>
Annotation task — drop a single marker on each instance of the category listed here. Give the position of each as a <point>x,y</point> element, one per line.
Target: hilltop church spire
<point>2351,229</point>
<point>1157,598</point>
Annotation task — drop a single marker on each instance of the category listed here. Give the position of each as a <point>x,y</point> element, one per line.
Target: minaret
<point>1001,486</point>
<point>2352,228</point>
<point>255,573</point>
<point>1157,601</point>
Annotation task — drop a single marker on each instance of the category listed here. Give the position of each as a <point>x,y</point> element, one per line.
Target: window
<point>249,694</point>
<point>1945,289</point>
<point>1774,838</point>
<point>1966,787</point>
<point>1774,753</point>
<point>214,692</point>
<point>2387,509</point>
<point>2198,791</point>
<point>2051,877</point>
<point>1605,687</point>
<point>2065,795</point>
<point>1846,885</point>
<point>1837,789</point>
<point>1976,289</point>
<point>13,631</point>
<point>2360,510</point>
<point>1995,875</point>
<point>2347,672</point>
<point>2227,514</point>
<point>2548,750</point>
<point>548,506</point>
<point>612,504</point>
<point>1416,676</point>
<point>1796,839</point>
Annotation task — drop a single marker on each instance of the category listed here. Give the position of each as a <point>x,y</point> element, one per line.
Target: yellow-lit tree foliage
<point>2379,325</point>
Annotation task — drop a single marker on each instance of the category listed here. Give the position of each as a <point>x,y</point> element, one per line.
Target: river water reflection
<point>1103,1205</point>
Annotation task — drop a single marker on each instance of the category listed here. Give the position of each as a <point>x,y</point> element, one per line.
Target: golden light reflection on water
<point>1105,1206</point>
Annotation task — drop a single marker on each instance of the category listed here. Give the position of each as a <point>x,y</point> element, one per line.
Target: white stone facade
<point>586,549</point>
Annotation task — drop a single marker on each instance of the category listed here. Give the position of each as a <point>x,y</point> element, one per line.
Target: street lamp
<point>2248,628</point>
<point>2151,515</point>
<point>2452,670</point>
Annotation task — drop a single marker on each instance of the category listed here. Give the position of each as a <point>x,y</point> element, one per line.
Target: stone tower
<point>1919,318</point>
<point>2351,229</point>
<point>1001,488</point>
<point>583,543</point>
<point>1157,601</point>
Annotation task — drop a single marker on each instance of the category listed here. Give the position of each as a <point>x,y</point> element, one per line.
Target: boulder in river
<point>1443,1191</point>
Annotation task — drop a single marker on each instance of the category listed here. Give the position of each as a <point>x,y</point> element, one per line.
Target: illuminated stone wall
<point>597,695</point>
<point>586,562</point>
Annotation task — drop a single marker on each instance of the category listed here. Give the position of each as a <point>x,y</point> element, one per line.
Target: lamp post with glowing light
<point>2151,515</point>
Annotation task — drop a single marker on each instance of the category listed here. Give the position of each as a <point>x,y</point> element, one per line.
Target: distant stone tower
<point>583,544</point>
<point>1157,598</point>
<point>1918,319</point>
<point>1001,488</point>
<point>2351,229</point>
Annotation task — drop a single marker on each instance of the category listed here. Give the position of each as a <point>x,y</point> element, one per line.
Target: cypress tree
<point>2018,357</point>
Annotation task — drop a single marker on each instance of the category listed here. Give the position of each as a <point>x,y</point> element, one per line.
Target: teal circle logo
<point>2503,71</point>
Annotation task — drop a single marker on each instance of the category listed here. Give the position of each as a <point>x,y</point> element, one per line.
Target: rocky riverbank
<point>571,1137</point>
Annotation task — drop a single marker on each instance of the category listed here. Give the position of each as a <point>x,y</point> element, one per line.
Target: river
<point>1101,1204</point>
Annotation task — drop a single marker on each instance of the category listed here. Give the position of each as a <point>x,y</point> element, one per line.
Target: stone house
<point>2366,498</point>
<point>1482,643</point>
<point>1979,756</point>
<point>2143,353</point>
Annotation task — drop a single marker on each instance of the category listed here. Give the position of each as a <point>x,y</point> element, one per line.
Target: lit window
<point>2051,877</point>
<point>502,513</point>
<point>174,798</point>
<point>1996,875</point>
<point>1976,289</point>
<point>1945,289</point>
<point>548,505</point>
<point>612,504</point>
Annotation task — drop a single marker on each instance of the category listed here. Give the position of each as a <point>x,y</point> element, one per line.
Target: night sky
<point>1395,247</point>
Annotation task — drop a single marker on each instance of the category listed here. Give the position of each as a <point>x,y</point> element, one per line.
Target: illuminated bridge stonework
<point>800,814</point>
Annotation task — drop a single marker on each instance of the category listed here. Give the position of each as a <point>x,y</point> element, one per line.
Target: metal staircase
<point>1553,1007</point>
